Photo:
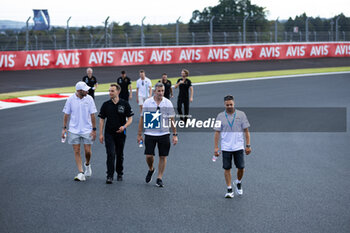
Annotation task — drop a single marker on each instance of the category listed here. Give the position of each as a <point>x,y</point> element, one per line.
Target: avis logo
<point>151,120</point>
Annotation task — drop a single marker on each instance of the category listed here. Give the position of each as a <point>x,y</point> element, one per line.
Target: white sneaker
<point>239,189</point>
<point>80,177</point>
<point>88,171</point>
<point>229,194</point>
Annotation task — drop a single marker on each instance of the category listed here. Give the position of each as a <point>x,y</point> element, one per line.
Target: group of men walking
<point>116,115</point>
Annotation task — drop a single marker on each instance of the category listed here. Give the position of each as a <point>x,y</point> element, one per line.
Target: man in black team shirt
<point>184,85</point>
<point>168,91</point>
<point>125,83</point>
<point>116,111</point>
<point>91,81</point>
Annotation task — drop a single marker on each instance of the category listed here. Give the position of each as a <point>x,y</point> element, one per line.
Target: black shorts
<point>163,144</point>
<point>238,157</point>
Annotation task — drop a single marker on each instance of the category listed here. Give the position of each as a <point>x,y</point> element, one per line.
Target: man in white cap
<point>81,109</point>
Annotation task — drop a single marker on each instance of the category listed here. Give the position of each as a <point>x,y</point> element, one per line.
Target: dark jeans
<point>115,147</point>
<point>186,103</point>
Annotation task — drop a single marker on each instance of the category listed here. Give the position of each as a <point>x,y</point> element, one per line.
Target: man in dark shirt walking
<point>91,81</point>
<point>125,83</point>
<point>116,111</point>
<point>184,98</point>
<point>168,91</point>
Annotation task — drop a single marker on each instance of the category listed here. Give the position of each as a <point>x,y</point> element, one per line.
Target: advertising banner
<point>53,59</point>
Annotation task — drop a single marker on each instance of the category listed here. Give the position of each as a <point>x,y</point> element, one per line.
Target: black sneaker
<point>159,183</point>
<point>119,178</point>
<point>149,176</point>
<point>109,180</point>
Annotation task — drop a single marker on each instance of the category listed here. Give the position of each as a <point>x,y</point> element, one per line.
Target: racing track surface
<point>40,79</point>
<point>294,182</point>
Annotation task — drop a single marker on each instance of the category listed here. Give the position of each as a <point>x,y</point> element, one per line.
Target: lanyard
<point>233,121</point>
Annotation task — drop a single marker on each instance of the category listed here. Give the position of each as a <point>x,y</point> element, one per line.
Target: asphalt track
<point>11,81</point>
<point>294,182</point>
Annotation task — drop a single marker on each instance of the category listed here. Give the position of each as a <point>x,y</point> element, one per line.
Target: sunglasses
<point>143,83</point>
<point>228,97</point>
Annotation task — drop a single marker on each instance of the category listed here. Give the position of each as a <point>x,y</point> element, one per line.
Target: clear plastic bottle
<point>141,144</point>
<point>214,158</point>
<point>63,140</point>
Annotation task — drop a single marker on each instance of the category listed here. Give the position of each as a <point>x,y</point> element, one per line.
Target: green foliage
<point>318,24</point>
<point>229,15</point>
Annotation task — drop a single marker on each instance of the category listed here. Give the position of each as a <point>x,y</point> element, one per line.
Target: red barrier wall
<point>74,58</point>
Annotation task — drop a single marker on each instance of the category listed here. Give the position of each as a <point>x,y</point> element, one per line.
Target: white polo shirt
<point>80,111</point>
<point>143,86</point>
<point>231,130</point>
<point>166,109</point>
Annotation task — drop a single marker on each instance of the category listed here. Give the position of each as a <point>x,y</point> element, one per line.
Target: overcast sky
<point>89,12</point>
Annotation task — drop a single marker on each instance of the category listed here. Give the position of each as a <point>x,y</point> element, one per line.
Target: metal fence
<point>104,37</point>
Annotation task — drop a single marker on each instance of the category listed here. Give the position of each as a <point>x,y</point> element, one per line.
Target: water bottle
<point>214,158</point>
<point>63,140</point>
<point>141,144</point>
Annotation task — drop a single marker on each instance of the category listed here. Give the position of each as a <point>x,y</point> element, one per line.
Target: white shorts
<point>142,100</point>
<point>76,139</point>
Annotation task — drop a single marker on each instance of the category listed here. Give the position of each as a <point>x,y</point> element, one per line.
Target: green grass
<point>194,79</point>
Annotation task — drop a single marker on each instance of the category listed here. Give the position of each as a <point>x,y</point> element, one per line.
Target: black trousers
<point>92,93</point>
<point>186,103</point>
<point>124,97</point>
<point>115,153</point>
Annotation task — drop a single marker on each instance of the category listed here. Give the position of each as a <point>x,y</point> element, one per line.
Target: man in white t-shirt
<point>234,124</point>
<point>158,113</point>
<point>80,109</point>
<point>143,89</point>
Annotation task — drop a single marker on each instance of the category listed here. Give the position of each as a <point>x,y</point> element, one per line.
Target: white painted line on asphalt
<point>271,77</point>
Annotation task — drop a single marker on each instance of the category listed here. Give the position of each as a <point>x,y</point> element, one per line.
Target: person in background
<point>125,83</point>
<point>91,81</point>
<point>168,91</point>
<point>143,89</point>
<point>184,85</point>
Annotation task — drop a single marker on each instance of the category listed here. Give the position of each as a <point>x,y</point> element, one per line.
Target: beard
<point>230,110</point>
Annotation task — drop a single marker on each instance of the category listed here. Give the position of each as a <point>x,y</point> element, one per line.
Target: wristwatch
<point>248,145</point>
<point>174,134</point>
<point>94,129</point>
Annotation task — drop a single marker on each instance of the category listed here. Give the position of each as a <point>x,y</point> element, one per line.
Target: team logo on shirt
<point>121,109</point>
<point>151,120</point>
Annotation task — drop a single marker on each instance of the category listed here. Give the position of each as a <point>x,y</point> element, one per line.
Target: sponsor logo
<point>101,58</point>
<point>7,60</point>
<point>190,55</point>
<point>216,54</point>
<point>161,55</point>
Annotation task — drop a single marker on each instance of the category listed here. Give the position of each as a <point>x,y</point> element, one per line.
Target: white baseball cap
<point>81,86</point>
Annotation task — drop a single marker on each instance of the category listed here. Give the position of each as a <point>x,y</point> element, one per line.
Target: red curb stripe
<point>54,96</point>
<point>16,100</point>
